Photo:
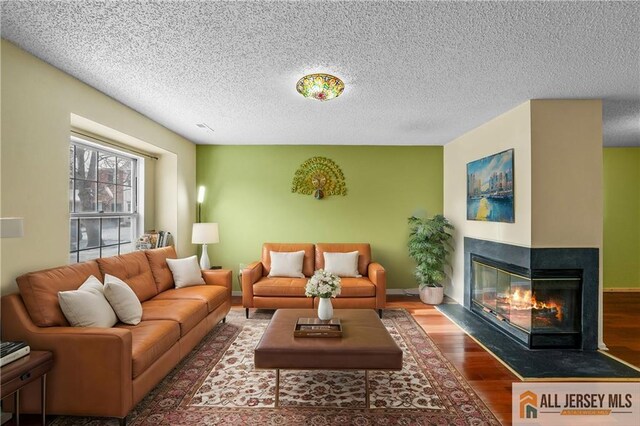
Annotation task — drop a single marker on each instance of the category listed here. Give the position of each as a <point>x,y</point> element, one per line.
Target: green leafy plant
<point>429,245</point>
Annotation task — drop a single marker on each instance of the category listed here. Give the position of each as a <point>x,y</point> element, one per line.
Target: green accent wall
<point>621,247</point>
<point>248,192</point>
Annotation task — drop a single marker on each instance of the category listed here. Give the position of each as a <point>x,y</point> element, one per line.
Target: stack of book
<point>11,351</point>
<point>164,238</point>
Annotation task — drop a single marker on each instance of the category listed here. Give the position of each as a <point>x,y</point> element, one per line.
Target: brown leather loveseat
<point>107,371</point>
<point>261,291</point>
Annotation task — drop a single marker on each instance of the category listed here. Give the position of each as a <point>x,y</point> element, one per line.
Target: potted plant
<point>429,245</point>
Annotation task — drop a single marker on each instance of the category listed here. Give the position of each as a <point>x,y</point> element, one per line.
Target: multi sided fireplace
<point>540,308</point>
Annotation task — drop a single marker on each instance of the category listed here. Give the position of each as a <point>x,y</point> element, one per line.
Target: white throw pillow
<point>342,264</point>
<point>123,300</point>
<point>286,264</point>
<point>87,306</point>
<point>186,272</point>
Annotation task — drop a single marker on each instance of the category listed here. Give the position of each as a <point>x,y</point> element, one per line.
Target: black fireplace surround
<point>540,297</point>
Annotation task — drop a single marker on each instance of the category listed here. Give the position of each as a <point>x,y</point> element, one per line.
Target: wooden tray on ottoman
<point>315,327</point>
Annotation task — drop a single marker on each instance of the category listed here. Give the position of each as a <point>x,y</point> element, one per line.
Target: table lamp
<point>205,233</point>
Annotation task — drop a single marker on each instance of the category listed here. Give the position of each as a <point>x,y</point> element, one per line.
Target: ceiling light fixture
<point>322,87</point>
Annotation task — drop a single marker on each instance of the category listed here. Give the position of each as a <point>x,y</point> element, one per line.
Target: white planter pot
<point>432,295</point>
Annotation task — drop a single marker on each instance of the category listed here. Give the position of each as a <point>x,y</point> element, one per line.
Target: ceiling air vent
<point>204,126</point>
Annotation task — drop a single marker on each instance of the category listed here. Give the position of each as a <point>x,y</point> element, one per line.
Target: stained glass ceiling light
<point>322,87</point>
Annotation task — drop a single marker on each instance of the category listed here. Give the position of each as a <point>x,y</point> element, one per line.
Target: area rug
<point>218,384</point>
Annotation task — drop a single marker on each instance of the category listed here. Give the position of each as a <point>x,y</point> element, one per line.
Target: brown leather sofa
<point>107,371</point>
<point>261,291</point>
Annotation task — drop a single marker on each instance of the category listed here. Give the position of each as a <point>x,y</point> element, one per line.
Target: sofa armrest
<point>219,277</point>
<point>92,366</point>
<point>250,275</point>
<point>378,277</point>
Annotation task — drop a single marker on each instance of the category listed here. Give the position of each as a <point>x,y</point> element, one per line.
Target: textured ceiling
<point>416,73</point>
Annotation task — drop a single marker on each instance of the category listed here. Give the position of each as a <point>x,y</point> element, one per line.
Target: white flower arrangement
<point>323,284</point>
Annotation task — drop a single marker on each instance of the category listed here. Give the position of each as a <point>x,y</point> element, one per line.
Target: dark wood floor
<point>488,377</point>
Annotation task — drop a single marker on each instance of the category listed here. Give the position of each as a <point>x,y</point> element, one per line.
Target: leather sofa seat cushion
<point>187,313</point>
<point>133,269</point>
<point>149,341</point>
<point>39,290</point>
<point>212,295</point>
<point>357,287</point>
<point>363,249</point>
<point>280,286</point>
<point>158,262</point>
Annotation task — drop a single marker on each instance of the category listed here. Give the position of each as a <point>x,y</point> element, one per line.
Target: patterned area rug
<point>217,384</point>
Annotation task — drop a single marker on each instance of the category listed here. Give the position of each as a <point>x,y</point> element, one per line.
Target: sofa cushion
<point>363,249</point>
<point>158,263</point>
<point>122,299</point>
<point>286,264</point>
<point>149,341</point>
<point>307,265</point>
<point>357,287</point>
<point>280,286</point>
<point>39,290</point>
<point>186,272</point>
<point>212,295</point>
<point>342,264</point>
<point>132,268</point>
<point>87,306</point>
<point>187,313</point>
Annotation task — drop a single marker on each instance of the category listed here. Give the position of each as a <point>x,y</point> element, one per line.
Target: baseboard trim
<point>621,290</point>
<point>403,291</point>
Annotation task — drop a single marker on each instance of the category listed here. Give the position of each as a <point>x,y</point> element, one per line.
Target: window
<point>102,201</point>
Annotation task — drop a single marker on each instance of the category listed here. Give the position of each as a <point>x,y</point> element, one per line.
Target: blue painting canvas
<point>490,188</point>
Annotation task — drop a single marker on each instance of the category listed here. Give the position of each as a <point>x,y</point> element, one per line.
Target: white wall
<point>39,103</point>
<point>510,130</point>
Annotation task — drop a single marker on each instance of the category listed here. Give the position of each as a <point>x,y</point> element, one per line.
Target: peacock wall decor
<point>319,176</point>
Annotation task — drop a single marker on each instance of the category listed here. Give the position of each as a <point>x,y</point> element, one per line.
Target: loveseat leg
<point>380,313</point>
<point>224,320</point>
<point>246,312</point>
<point>122,421</point>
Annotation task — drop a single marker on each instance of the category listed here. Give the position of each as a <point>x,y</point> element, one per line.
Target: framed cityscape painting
<point>490,188</point>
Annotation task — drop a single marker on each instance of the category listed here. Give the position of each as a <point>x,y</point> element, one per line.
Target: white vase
<point>325,309</point>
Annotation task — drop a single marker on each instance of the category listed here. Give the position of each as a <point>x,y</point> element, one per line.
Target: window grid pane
<point>100,182</point>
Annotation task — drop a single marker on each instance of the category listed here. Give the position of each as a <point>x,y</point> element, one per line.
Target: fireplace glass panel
<point>556,305</point>
<point>503,290</point>
<point>540,306</point>
<point>485,285</point>
<point>520,301</point>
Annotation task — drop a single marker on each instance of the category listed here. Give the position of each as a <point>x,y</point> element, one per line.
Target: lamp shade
<point>205,233</point>
<point>11,227</point>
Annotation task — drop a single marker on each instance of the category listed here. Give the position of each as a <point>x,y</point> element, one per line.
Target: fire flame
<point>524,300</point>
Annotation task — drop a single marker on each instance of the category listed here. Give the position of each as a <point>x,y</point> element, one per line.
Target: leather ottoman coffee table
<point>365,345</point>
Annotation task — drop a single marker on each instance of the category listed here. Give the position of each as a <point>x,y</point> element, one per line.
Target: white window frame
<point>135,215</point>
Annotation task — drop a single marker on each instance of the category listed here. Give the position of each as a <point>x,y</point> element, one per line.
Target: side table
<point>14,376</point>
